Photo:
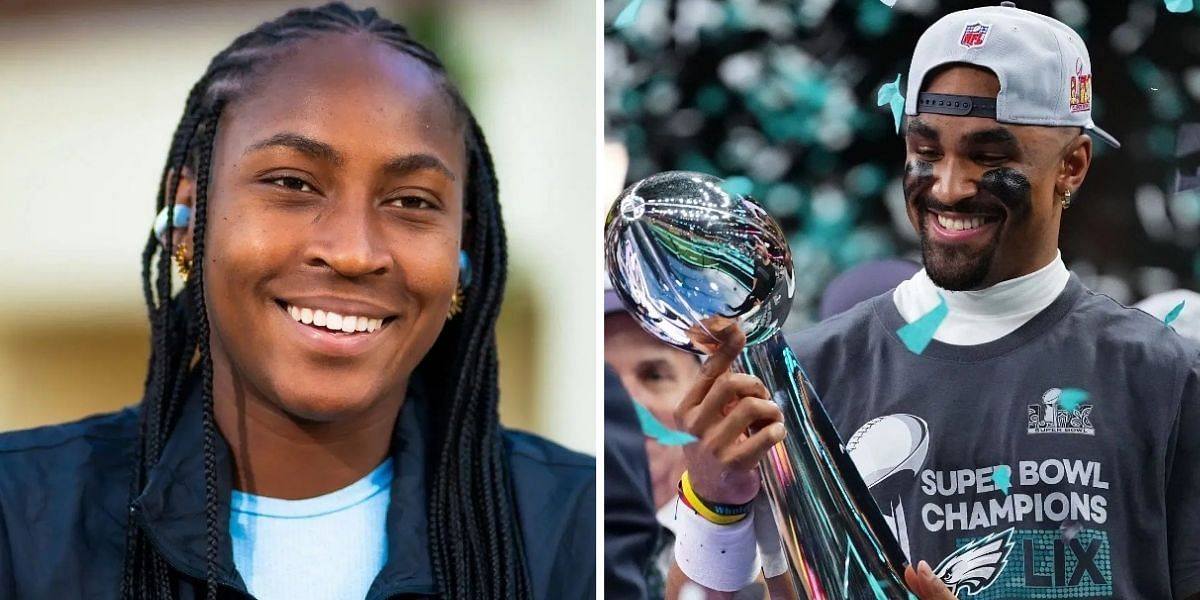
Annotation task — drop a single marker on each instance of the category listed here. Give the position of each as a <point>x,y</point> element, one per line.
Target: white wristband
<point>718,557</point>
<point>769,546</point>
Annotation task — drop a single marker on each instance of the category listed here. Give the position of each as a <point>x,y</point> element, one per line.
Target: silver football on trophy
<point>682,250</point>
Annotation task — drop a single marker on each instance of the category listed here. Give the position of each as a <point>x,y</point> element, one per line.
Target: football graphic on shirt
<point>889,451</point>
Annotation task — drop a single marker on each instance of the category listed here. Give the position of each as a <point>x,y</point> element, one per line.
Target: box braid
<point>474,542</point>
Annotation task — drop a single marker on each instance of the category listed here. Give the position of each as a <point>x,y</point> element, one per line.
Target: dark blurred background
<point>779,96</point>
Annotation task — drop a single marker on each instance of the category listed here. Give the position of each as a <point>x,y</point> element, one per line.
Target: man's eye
<point>292,183</point>
<point>655,374</point>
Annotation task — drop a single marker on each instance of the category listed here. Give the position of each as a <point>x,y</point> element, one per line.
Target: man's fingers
<point>925,584</point>
<point>729,388</point>
<point>745,455</point>
<point>913,581</point>
<point>726,341</point>
<point>749,411</point>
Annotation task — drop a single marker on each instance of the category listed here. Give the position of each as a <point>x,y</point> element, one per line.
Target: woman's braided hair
<point>474,542</point>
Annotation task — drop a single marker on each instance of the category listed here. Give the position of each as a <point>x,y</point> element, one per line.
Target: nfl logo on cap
<point>974,35</point>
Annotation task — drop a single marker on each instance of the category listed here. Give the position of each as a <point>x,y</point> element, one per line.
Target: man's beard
<point>955,268</point>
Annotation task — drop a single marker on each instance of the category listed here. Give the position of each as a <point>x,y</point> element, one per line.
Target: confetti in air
<point>1179,6</point>
<point>889,93</point>
<point>1003,478</point>
<point>1070,398</point>
<point>738,186</point>
<point>1174,314</point>
<point>917,335</point>
<point>659,432</point>
<point>628,14</point>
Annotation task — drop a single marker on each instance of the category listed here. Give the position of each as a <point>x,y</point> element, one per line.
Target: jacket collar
<point>170,508</point>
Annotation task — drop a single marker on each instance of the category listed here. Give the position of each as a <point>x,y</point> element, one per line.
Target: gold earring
<point>183,262</point>
<point>456,303</point>
<point>1066,199</point>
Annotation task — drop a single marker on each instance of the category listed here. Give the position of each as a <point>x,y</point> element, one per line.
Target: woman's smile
<point>330,333</point>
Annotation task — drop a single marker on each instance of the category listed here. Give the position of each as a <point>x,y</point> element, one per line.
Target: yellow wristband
<point>694,501</point>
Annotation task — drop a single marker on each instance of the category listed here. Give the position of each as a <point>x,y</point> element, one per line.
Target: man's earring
<point>464,281</point>
<point>183,262</point>
<point>1066,199</point>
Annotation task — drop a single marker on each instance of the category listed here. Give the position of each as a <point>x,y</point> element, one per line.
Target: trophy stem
<point>836,541</point>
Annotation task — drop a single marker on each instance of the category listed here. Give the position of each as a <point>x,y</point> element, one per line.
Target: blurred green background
<point>779,96</point>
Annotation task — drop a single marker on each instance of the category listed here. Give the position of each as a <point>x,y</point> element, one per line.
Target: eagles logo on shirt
<point>976,566</point>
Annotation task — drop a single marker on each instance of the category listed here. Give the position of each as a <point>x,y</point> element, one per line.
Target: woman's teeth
<point>333,321</point>
<point>956,224</point>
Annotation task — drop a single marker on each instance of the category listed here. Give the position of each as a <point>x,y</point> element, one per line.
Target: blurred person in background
<point>656,376</point>
<point>320,409</point>
<point>863,282</point>
<point>631,531</point>
<point>1185,306</point>
<point>1004,415</point>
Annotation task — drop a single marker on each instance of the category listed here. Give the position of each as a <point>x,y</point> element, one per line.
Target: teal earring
<point>182,215</point>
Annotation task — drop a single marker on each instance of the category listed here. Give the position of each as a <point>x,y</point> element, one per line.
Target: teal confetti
<point>1070,398</point>
<point>1179,6</point>
<point>889,93</point>
<point>873,19</point>
<point>917,335</point>
<point>628,14</point>
<point>659,432</point>
<point>1174,314</point>
<point>1003,478</point>
<point>738,186</point>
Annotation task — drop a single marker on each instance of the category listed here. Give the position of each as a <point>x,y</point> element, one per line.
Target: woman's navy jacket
<point>64,499</point>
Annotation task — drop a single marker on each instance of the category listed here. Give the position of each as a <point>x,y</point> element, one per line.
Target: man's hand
<point>925,584</point>
<point>733,418</point>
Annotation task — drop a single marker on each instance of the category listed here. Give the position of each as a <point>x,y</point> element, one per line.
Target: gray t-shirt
<point>1060,461</point>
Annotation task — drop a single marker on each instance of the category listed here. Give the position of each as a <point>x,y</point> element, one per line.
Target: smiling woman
<point>320,410</point>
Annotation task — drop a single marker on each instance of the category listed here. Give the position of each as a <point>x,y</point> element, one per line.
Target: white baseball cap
<point>1043,66</point>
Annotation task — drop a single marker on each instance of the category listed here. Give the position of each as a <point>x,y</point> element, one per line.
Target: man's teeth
<point>954,224</point>
<point>333,321</point>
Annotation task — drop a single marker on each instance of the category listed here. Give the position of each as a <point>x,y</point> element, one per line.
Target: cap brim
<point>1103,135</point>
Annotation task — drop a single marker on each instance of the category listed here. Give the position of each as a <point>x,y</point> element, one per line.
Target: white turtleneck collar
<point>981,316</point>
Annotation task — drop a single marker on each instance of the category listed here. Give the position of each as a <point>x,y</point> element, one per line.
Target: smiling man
<point>1044,442</point>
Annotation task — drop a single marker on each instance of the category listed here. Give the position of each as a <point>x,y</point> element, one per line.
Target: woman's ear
<point>185,195</point>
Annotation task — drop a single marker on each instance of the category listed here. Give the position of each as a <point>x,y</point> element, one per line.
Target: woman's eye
<point>412,202</point>
<point>292,183</point>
